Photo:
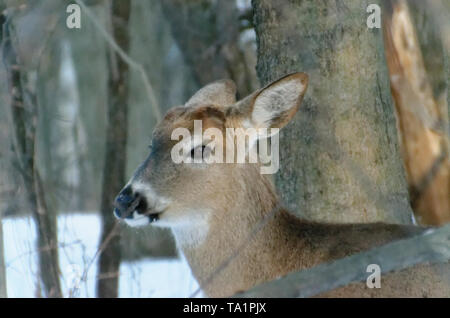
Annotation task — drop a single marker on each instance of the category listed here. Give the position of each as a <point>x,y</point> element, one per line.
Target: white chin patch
<point>137,220</point>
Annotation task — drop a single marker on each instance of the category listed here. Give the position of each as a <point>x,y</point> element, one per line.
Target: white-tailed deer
<point>213,208</point>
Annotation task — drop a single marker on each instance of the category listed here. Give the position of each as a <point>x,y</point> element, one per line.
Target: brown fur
<point>288,243</point>
<point>237,197</point>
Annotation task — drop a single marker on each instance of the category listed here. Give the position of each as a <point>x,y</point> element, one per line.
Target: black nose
<point>127,202</point>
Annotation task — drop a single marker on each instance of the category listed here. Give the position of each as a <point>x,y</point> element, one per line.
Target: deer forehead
<point>211,116</point>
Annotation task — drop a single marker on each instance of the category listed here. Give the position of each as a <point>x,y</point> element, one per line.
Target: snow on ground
<point>78,236</point>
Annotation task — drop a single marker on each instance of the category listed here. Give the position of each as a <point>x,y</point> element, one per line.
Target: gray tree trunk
<point>115,155</point>
<point>339,158</point>
<point>207,33</point>
<point>150,41</point>
<point>24,111</point>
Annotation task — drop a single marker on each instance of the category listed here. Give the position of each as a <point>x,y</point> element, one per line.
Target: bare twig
<point>94,258</point>
<point>24,136</point>
<point>126,58</point>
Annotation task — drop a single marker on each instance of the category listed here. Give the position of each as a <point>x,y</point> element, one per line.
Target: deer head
<point>185,195</point>
<point>212,205</point>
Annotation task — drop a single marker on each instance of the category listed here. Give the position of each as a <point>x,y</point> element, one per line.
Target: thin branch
<point>24,136</point>
<point>100,249</point>
<point>126,58</point>
<point>431,246</point>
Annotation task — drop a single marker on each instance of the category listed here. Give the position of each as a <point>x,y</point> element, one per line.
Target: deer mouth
<point>152,217</point>
<point>142,210</point>
<point>138,212</point>
<point>141,218</point>
<point>139,207</point>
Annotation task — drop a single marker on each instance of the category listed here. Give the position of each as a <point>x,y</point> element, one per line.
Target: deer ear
<point>275,105</point>
<point>222,93</point>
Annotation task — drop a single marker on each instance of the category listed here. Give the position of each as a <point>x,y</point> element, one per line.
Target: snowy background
<point>78,236</point>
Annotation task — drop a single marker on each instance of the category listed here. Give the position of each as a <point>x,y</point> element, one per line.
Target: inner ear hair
<point>274,105</point>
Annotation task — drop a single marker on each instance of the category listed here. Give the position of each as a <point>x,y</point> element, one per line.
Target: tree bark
<point>418,85</point>
<point>24,110</point>
<point>339,158</point>
<point>115,153</point>
<point>207,33</point>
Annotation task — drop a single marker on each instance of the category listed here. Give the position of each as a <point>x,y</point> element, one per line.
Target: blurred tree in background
<point>22,77</point>
<point>77,107</point>
<point>115,153</point>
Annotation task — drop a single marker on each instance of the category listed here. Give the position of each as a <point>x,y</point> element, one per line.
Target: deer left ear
<point>221,93</point>
<point>276,104</point>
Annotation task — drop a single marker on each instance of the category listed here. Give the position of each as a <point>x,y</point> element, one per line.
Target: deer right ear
<point>274,105</point>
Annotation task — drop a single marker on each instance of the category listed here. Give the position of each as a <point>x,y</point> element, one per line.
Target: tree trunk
<point>207,33</point>
<point>24,110</point>
<point>339,159</point>
<point>115,154</point>
<point>418,84</point>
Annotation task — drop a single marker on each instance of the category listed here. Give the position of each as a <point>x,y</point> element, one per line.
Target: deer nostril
<point>117,213</point>
<point>126,202</point>
<point>124,199</point>
<point>126,191</point>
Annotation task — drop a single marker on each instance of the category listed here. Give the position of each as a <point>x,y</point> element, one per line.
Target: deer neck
<point>251,228</point>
